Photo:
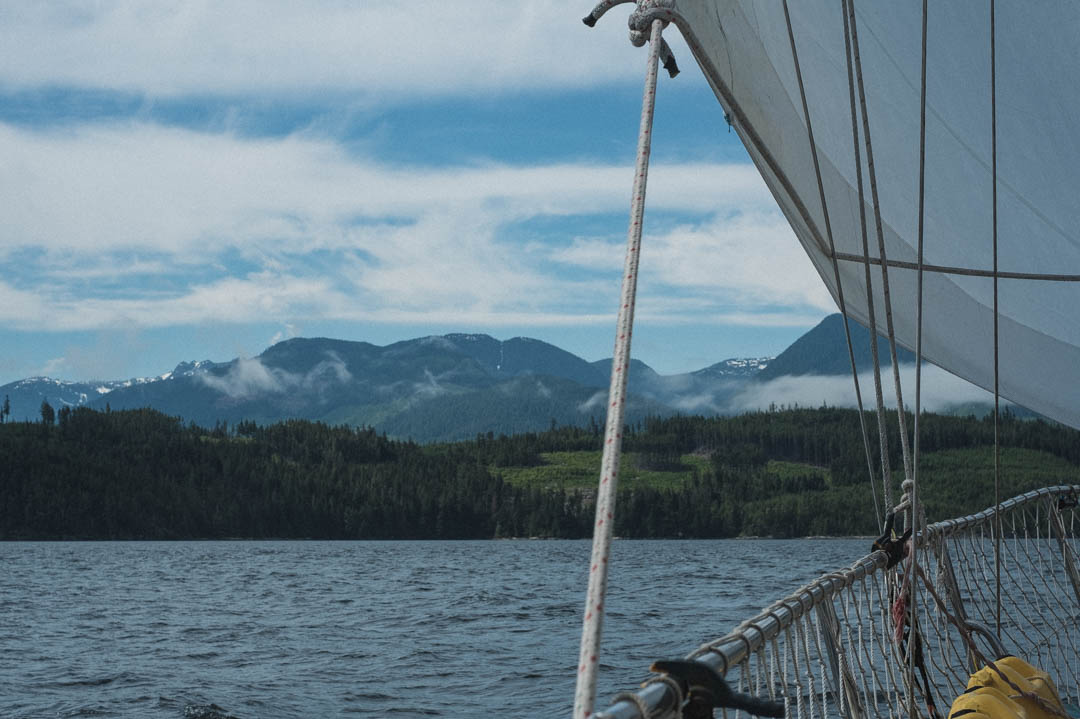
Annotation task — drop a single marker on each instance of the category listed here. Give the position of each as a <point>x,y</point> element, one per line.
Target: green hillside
<point>139,474</point>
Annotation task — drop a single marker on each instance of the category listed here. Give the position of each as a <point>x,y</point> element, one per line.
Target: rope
<point>997,409</point>
<point>881,245</point>
<point>636,700</point>
<point>676,690</point>
<point>835,263</point>
<point>592,625</point>
<point>915,513</point>
<point>886,472</point>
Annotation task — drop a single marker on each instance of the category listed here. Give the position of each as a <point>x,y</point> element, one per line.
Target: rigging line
<point>592,625</point>
<point>886,472</point>
<point>947,270</point>
<point>997,396</point>
<point>917,521</point>
<point>881,245</point>
<point>835,264</point>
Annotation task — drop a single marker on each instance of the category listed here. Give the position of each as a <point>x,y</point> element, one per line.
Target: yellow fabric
<point>988,696</point>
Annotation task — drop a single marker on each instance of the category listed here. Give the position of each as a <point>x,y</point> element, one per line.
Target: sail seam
<point>950,270</point>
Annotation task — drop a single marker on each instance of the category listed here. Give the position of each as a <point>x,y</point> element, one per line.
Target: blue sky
<point>199,180</point>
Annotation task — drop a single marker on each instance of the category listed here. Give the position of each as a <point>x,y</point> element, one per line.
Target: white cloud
<point>371,51</point>
<point>288,332</point>
<point>339,237</point>
<point>251,378</point>
<point>247,378</point>
<point>597,400</point>
<point>54,367</point>
<point>172,190</point>
<point>745,258</point>
<point>940,390</point>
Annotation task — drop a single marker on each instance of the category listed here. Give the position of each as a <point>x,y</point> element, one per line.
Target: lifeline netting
<point>828,649</point>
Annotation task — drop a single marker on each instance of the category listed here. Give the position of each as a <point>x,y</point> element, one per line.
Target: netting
<point>831,648</point>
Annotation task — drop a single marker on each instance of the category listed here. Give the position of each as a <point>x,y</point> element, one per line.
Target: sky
<point>199,180</point>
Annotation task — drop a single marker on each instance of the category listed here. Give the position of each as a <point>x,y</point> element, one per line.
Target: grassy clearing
<point>964,478</point>
<point>787,470</point>
<point>950,479</point>
<point>580,470</point>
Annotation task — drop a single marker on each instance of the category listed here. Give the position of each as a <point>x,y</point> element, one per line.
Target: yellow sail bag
<point>988,696</point>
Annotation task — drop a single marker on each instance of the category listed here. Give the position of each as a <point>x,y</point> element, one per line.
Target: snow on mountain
<point>27,395</point>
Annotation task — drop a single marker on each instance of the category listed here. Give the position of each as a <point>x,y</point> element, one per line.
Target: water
<point>317,629</point>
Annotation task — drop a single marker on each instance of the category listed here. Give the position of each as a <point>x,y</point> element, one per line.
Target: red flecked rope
<point>585,696</point>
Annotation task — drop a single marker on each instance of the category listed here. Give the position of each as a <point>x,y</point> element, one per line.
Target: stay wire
<point>886,472</point>
<point>835,264</point>
<point>997,397</point>
<point>916,513</point>
<point>881,246</point>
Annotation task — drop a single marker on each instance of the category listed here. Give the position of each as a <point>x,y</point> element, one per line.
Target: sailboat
<point>926,158</point>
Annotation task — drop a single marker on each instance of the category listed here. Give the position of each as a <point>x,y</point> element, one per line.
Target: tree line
<point>139,474</point>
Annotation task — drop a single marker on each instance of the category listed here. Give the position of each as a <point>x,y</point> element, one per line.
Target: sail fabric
<point>744,49</point>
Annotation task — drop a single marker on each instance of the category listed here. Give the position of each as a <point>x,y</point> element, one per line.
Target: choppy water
<point>319,629</point>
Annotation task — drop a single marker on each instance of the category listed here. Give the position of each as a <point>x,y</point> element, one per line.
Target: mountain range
<point>436,388</point>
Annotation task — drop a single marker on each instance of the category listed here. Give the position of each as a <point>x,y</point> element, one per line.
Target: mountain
<point>25,396</point>
<point>823,351</point>
<point>430,388</point>
<point>744,367</point>
<point>447,387</point>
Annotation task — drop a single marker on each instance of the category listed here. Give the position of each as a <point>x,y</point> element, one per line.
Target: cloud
<point>213,227</point>
<point>149,188</point>
<point>742,257</point>
<point>248,378</point>
<point>288,332</point>
<point>597,400</point>
<point>371,51</point>
<point>940,390</point>
<point>53,367</point>
<point>429,388</point>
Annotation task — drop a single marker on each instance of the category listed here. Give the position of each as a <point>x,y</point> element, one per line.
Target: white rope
<point>815,620</point>
<point>886,470</point>
<point>835,265</point>
<point>592,625</point>
<point>881,244</point>
<point>793,657</point>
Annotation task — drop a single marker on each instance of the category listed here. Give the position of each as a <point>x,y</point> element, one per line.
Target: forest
<point>139,474</point>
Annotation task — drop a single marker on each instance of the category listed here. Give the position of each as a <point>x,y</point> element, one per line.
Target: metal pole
<point>588,662</point>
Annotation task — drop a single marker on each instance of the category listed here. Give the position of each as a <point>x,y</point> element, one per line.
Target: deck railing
<point>828,649</point>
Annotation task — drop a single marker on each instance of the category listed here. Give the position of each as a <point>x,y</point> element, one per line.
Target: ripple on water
<point>261,630</point>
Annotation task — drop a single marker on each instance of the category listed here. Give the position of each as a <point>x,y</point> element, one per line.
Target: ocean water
<point>248,629</point>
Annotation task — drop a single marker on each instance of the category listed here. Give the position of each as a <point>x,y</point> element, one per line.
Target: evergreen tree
<point>48,416</point>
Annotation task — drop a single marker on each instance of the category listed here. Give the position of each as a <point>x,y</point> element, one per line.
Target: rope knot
<point>640,22</point>
<point>641,19</point>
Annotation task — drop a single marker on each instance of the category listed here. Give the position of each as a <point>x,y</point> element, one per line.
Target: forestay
<point>745,51</point>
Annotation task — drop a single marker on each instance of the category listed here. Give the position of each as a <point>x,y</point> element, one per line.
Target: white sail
<point>744,48</point>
